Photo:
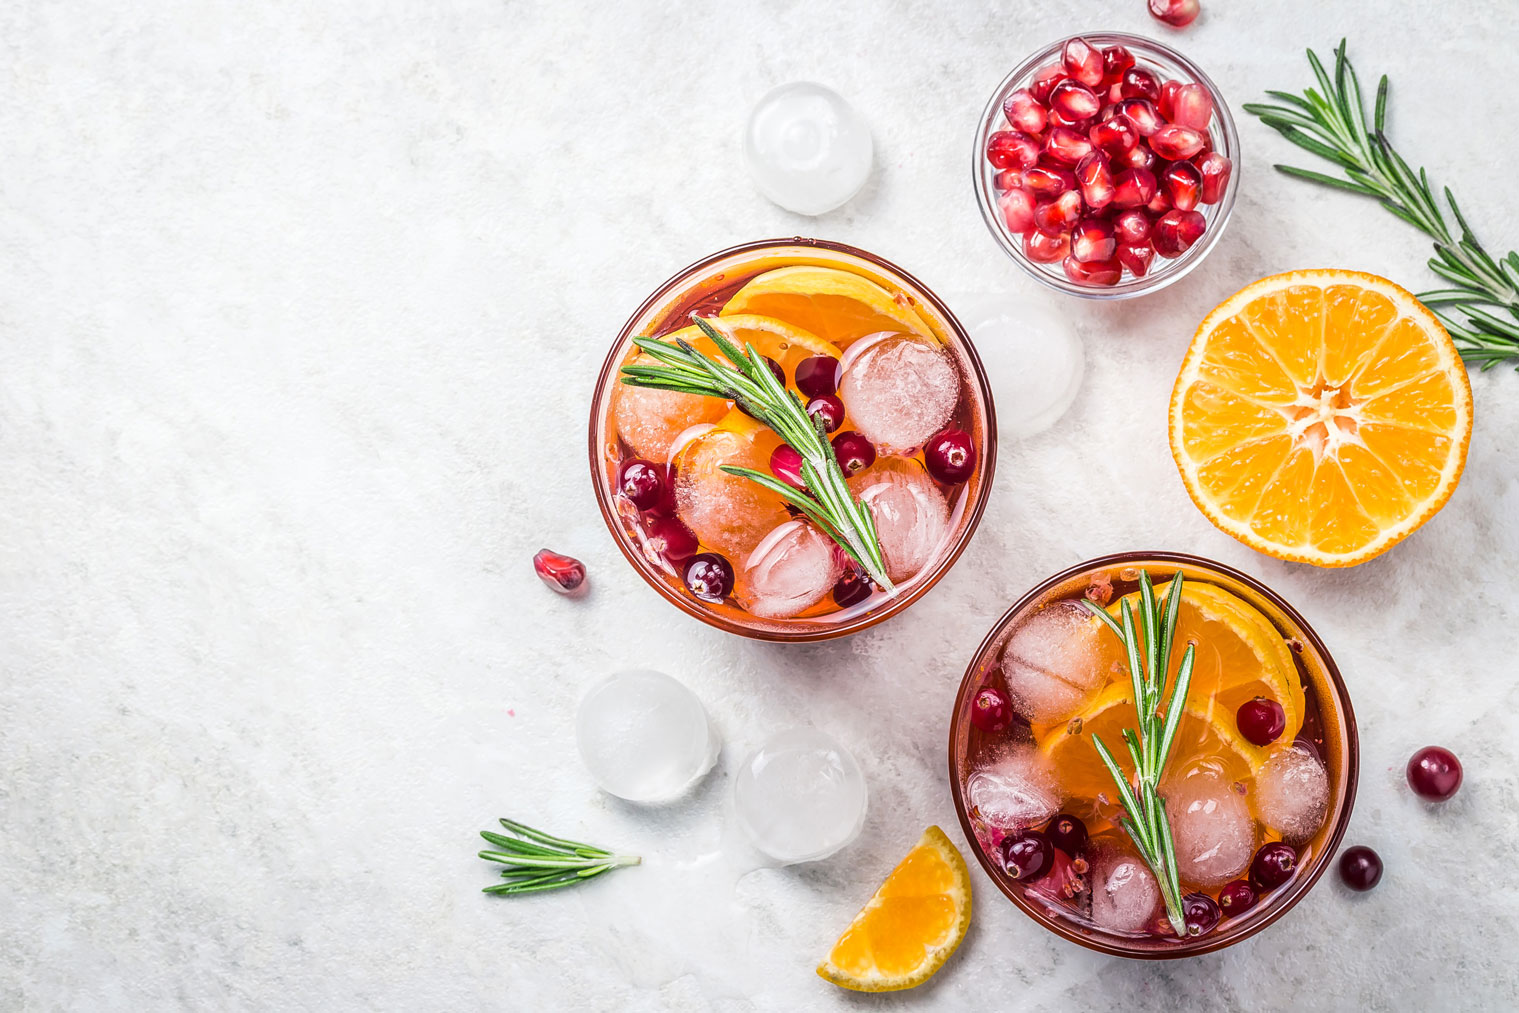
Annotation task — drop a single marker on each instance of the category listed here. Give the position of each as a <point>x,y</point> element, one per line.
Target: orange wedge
<point>835,305</point>
<point>910,927</point>
<point>1321,416</point>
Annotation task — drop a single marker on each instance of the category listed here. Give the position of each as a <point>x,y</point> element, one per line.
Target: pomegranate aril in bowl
<point>1025,112</point>
<point>1172,142</point>
<point>1092,240</point>
<point>1176,231</point>
<point>1057,217</point>
<point>1066,146</point>
<point>1043,248</point>
<point>1012,150</point>
<point>1183,183</point>
<point>1074,101</point>
<point>1082,61</point>
<point>1216,170</point>
<point>1047,183</point>
<point>1096,179</point>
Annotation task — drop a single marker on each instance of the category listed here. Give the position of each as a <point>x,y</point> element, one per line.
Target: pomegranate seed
<point>709,577</point>
<point>1139,83</point>
<point>1096,180</point>
<point>950,456</point>
<point>564,574</point>
<point>1026,855</point>
<point>1201,913</point>
<point>991,711</point>
<point>854,452</point>
<point>1434,773</point>
<point>1140,158</point>
<point>786,465</point>
<point>828,410</point>
<point>1159,204</point>
<point>1176,231</point>
<point>1164,101</point>
<point>1008,179</point>
<point>1184,185</point>
<point>1082,62</point>
<point>1074,101</point>
<point>1008,149</point>
<point>1216,170</point>
<point>1115,136</point>
<point>670,538</point>
<point>1133,187</point>
<point>1058,215</point>
<point>1261,721</point>
<point>1065,146</point>
<point>1025,112</point>
<point>1043,248</point>
<point>1174,143</point>
<point>852,588</point>
<point>1136,257</point>
<point>1131,226</point>
<point>1101,272</point>
<point>1176,13</point>
<point>1044,82</point>
<point>1068,833</point>
<point>1236,898</point>
<point>1017,208</point>
<point>1192,107</point>
<point>1080,126</point>
<point>1092,241</point>
<point>642,482</point>
<point>1141,113</point>
<point>1115,60</point>
<point>1272,865</point>
<point>1047,182</point>
<point>818,375</point>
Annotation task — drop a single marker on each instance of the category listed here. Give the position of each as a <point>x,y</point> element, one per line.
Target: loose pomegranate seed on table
<point>564,574</point>
<point>1176,13</point>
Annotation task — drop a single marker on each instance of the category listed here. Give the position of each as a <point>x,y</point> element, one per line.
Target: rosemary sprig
<point>1145,811</point>
<point>1331,122</point>
<point>747,381</point>
<point>536,861</point>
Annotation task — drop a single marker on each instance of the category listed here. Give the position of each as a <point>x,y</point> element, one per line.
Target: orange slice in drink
<point>1321,416</point>
<point>910,927</point>
<point>834,305</point>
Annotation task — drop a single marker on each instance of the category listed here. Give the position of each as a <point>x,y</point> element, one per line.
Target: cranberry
<point>1137,257</point>
<point>854,452</point>
<point>1115,136</point>
<point>1025,112</point>
<point>1131,226</point>
<point>1184,185</point>
<point>852,588</point>
<point>1434,773</point>
<point>1026,855</point>
<point>1068,833</point>
<point>1115,60</point>
<point>1200,912</point>
<point>1092,240</point>
<point>1010,149</point>
<point>1192,106</point>
<point>670,538</point>
<point>1045,79</point>
<point>709,577</point>
<point>786,465</point>
<point>1098,272</point>
<point>828,410</point>
<point>564,574</point>
<point>1360,868</point>
<point>1261,721</point>
<point>950,456</point>
<point>1074,101</point>
<point>1045,249</point>
<point>1272,865</point>
<point>1017,210</point>
<point>1236,898</point>
<point>1176,231</point>
<point>1096,180</point>
<point>1176,13</point>
<point>1047,183</point>
<point>991,711</point>
<point>1216,170</point>
<point>1141,113</point>
<point>641,481</point>
<point>1133,188</point>
<point>1173,142</point>
<point>1057,216</point>
<point>1065,146</point>
<point>1139,83</point>
<point>1082,62</point>
<point>818,375</point>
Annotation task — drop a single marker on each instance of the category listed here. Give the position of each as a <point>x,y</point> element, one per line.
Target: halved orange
<point>835,305</point>
<point>1321,416</point>
<point>910,927</point>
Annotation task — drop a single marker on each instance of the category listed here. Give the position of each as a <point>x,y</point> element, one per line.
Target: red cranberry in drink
<point>1360,868</point>
<point>1065,146</point>
<point>1046,182</point>
<point>1074,101</point>
<point>1200,912</point>
<point>1096,180</point>
<point>786,465</point>
<point>1009,149</point>
<point>854,452</point>
<point>1026,855</point>
<point>1082,61</point>
<point>1045,79</point>
<point>564,574</point>
<point>776,371</point>
<point>1133,188</point>
<point>950,456</point>
<point>1236,898</point>
<point>1176,231</point>
<point>1136,257</point>
<point>1216,170</point>
<point>1017,207</point>
<point>1141,113</point>
<point>1056,217</point>
<point>817,375</point>
<point>1099,272</point>
<point>1184,185</point>
<point>1045,249</point>
<point>670,538</point>
<point>1176,13</point>
<point>1025,112</point>
<point>1115,60</point>
<point>642,482</point>
<point>1262,721</point>
<point>1192,106</point>
<point>1068,833</point>
<point>991,711</point>
<point>1092,240</point>
<point>1173,143</point>
<point>1139,83</point>
<point>1116,136</point>
<point>852,588</point>
<point>828,410</point>
<point>1131,226</point>
<point>1434,773</point>
<point>1272,865</point>
<point>709,577</point>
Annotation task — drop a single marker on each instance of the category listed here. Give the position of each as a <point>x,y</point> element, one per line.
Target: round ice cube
<point>1292,793</point>
<point>1015,792</point>
<point>1055,660</point>
<point>1211,828</point>
<point>899,390</point>
<point>800,796</point>
<point>1124,893</point>
<point>643,736</point>
<point>790,570</point>
<point>1030,353</point>
<point>910,514</point>
<point>729,513</point>
<point>806,148</point>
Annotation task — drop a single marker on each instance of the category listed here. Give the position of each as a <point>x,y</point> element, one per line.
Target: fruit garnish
<point>1261,721</point>
<point>785,345</point>
<point>564,574</point>
<point>1273,865</point>
<point>1360,868</point>
<point>1434,773</point>
<point>1176,13</point>
<point>835,305</point>
<point>910,927</point>
<point>1321,416</point>
<point>536,861</point>
<point>1331,123</point>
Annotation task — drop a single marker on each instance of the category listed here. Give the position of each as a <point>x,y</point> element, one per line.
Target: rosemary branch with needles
<point>746,380</point>
<point>535,861</point>
<point>1144,816</point>
<point>1481,308</point>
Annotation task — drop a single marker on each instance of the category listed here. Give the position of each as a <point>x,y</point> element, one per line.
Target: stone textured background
<point>299,312</point>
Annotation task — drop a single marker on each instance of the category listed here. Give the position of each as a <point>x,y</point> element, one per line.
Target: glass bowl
<point>706,284</point>
<point>1334,737</point>
<point>1169,65</point>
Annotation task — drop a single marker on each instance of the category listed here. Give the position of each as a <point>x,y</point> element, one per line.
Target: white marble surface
<point>300,308</point>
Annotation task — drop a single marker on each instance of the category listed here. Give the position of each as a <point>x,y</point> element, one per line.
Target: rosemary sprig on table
<point>1145,811</point>
<point>1331,123</point>
<point>747,381</point>
<point>536,862</point>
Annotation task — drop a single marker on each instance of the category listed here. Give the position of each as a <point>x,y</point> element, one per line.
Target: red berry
<point>1272,865</point>
<point>1159,205</point>
<point>1065,146</point>
<point>991,711</point>
<point>1261,721</point>
<point>1008,179</point>
<point>1096,180</point>
<point>1139,83</point>
<point>1017,207</point>
<point>854,452</point>
<point>852,588</point>
<point>1132,226</point>
<point>1133,188</point>
<point>1141,113</point>
<point>1141,158</point>
<point>1174,143</point>
<point>642,482</point>
<point>1236,898</point>
<point>1057,216</point>
<point>1101,272</point>
<point>1136,257</point>
<point>1082,62</point>
<point>669,538</point>
<point>1360,868</point>
<point>1025,112</point>
<point>1163,104</point>
<point>786,465</point>
<point>1047,183</point>
<point>709,577</point>
<point>1216,170</point>
<point>1009,149</point>
<point>1115,60</point>
<point>1192,106</point>
<point>1434,773</point>
<point>1184,185</point>
<point>1200,912</point>
<point>1092,240</point>
<point>950,456</point>
<point>1068,833</point>
<point>1026,855</point>
<point>828,410</point>
<point>1043,248</point>
<point>564,574</point>
<point>817,375</point>
<point>1074,101</point>
<point>1176,231</point>
<point>1176,13</point>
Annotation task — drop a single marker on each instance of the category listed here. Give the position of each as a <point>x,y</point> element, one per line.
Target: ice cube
<point>643,736</point>
<point>1211,827</point>
<point>1124,893</point>
<point>1015,792</point>
<point>806,148</point>
<point>800,796</point>
<point>729,513</point>
<point>1055,660</point>
<point>649,420</point>
<point>1031,353</point>
<point>910,514</point>
<point>791,569</point>
<point>899,390</point>
<point>1292,793</point>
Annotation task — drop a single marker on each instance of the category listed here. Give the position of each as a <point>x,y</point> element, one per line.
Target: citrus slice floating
<point>910,927</point>
<point>1321,416</point>
<point>834,305</point>
<point>786,344</point>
